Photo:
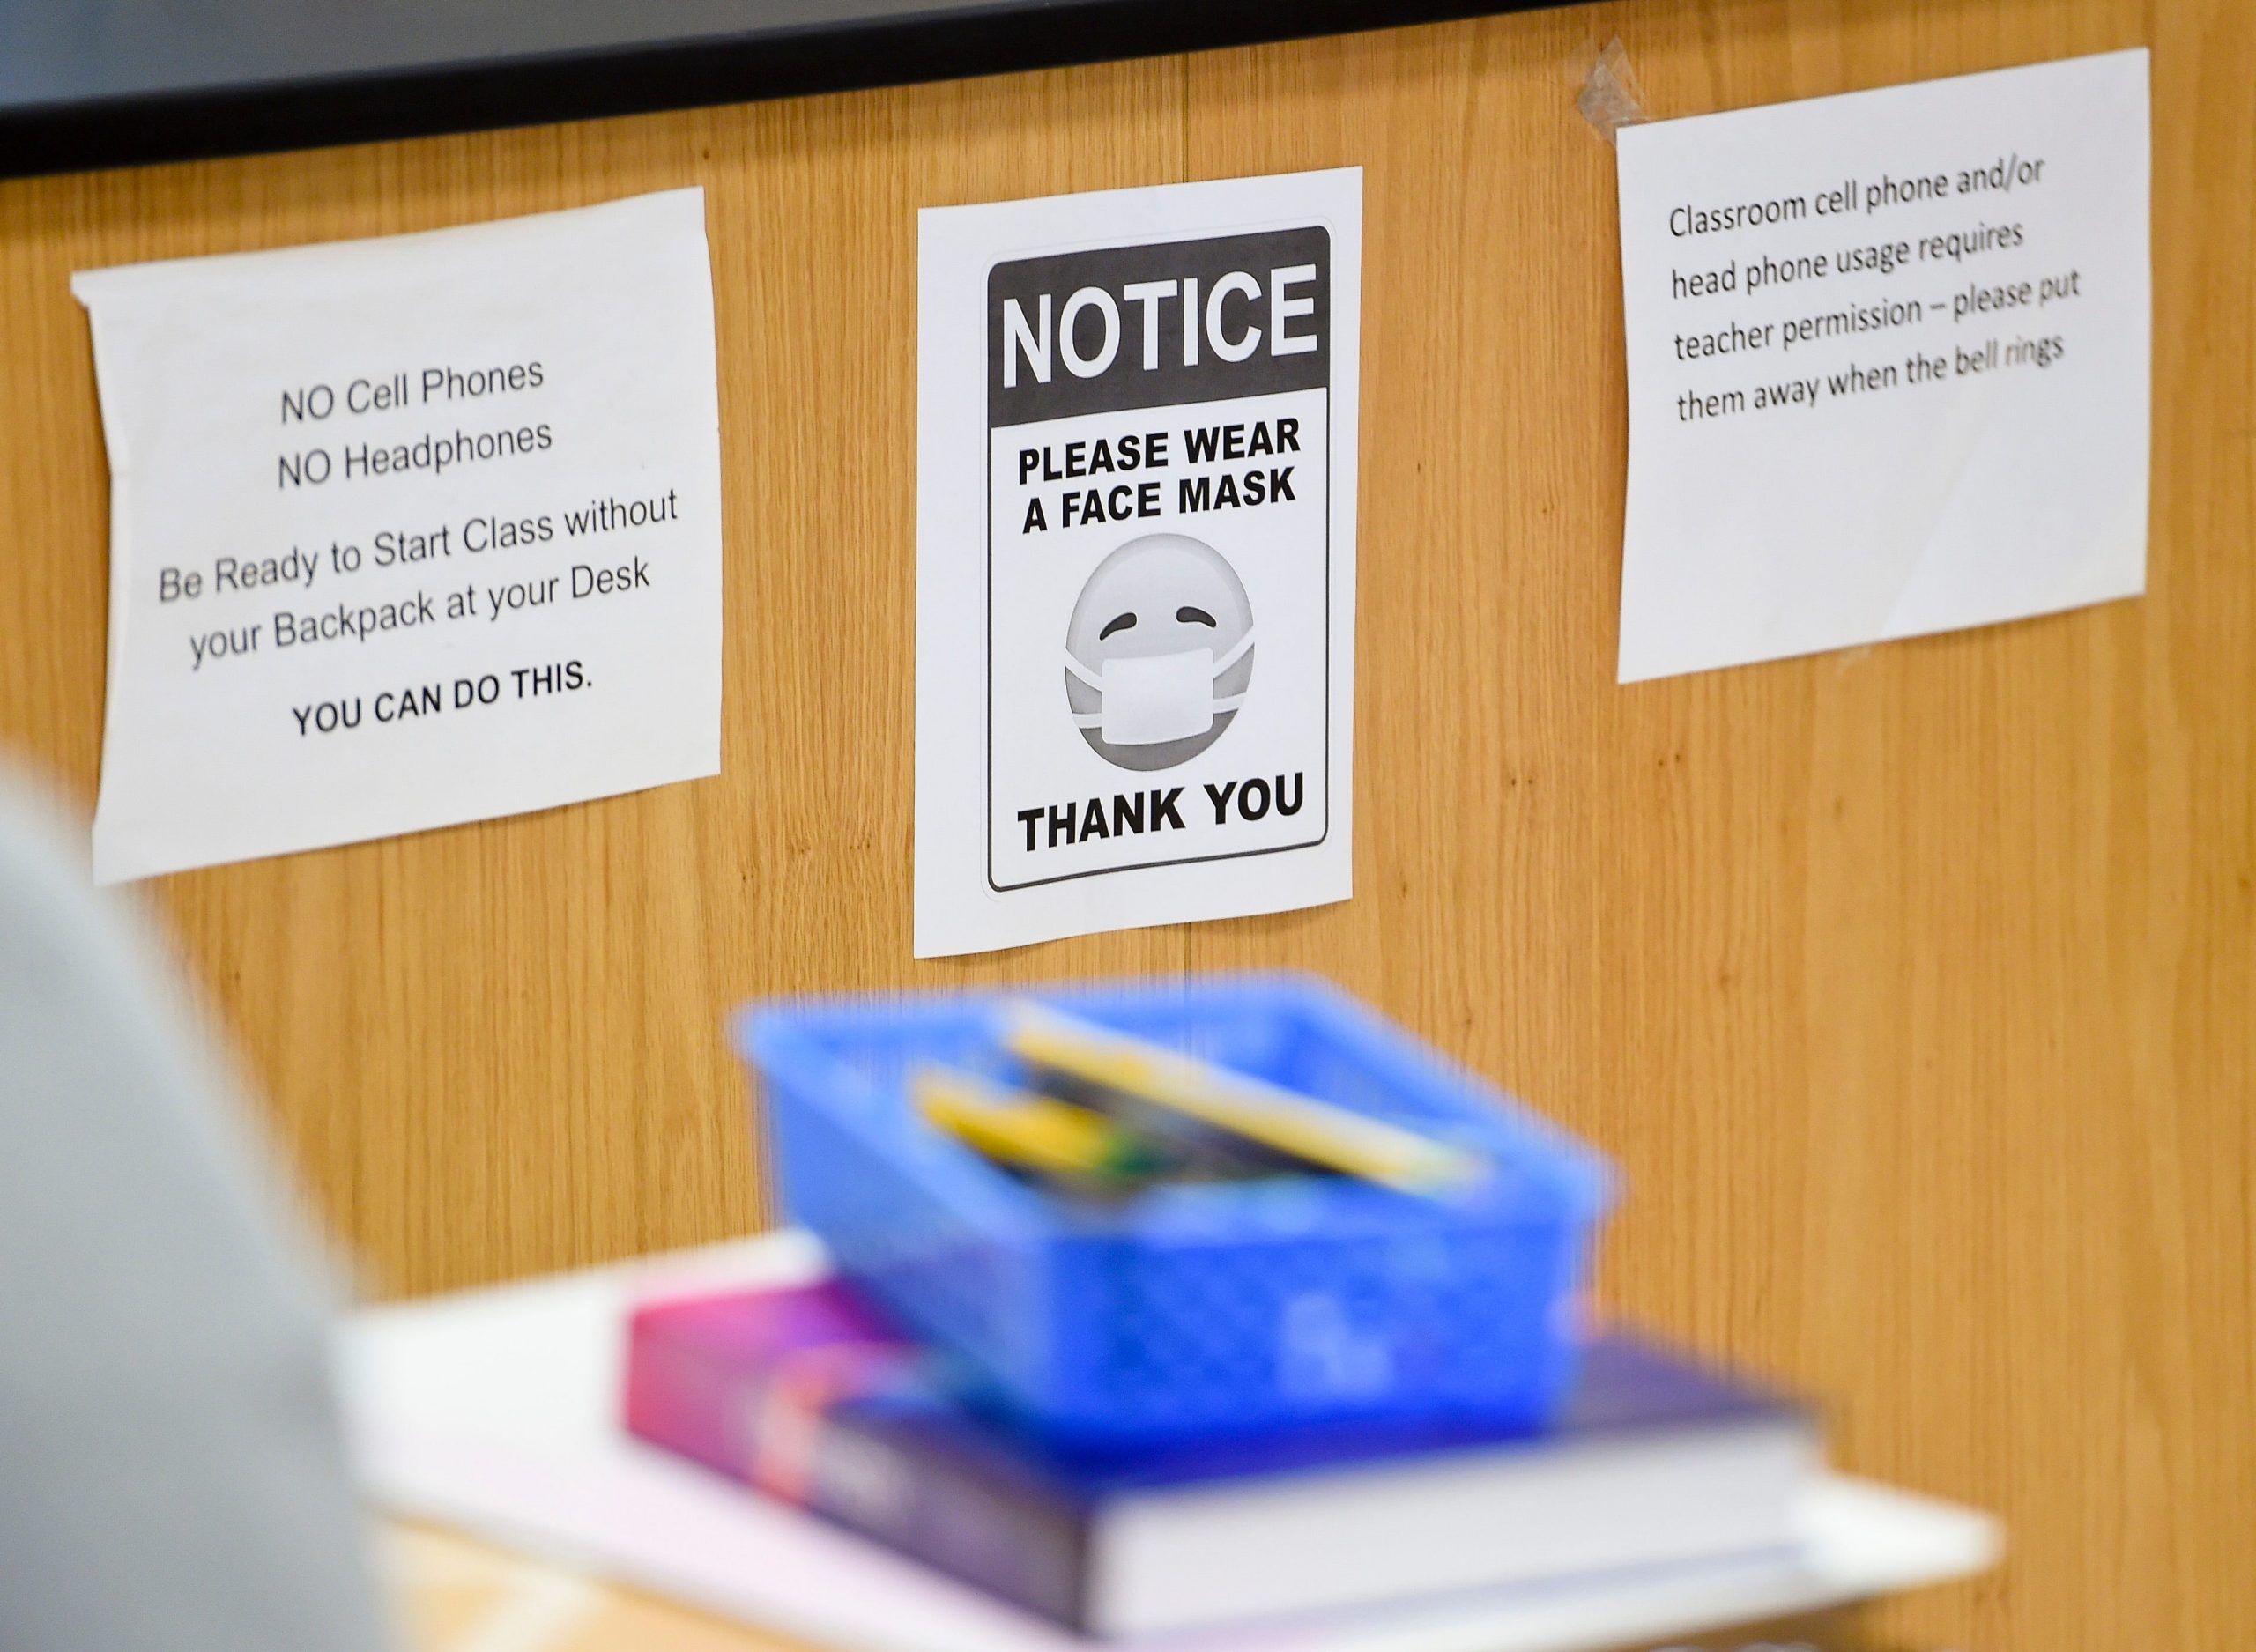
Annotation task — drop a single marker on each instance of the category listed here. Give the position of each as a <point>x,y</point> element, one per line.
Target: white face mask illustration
<point>1155,698</point>
<point>1159,652</point>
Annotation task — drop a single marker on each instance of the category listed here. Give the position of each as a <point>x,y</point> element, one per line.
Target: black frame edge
<point>429,101</point>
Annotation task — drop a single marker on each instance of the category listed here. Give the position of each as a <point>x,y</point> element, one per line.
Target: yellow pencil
<point>1031,1132</point>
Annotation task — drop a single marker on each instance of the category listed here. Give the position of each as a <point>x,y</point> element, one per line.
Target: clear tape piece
<point>1608,99</point>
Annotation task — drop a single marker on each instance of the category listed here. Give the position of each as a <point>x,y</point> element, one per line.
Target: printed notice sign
<point>1136,558</point>
<point>407,532</point>
<point>1888,363</point>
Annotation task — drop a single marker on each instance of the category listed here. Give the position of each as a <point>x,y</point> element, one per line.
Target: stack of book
<point>1168,1306</point>
<point>809,1395</point>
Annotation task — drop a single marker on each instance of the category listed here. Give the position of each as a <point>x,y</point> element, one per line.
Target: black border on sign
<point>1317,841</point>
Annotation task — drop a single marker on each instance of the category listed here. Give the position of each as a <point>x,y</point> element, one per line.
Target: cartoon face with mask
<point>1159,652</point>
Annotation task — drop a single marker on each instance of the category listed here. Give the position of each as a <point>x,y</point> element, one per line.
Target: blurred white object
<point>171,1474</point>
<point>499,1411</point>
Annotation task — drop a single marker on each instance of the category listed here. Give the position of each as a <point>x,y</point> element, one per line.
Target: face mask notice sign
<point>1135,558</point>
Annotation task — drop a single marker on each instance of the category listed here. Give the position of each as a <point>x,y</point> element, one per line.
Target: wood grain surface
<point>1912,987</point>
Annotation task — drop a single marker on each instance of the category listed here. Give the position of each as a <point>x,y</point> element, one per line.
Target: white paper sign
<point>1136,558</point>
<point>407,532</point>
<point>1888,363</point>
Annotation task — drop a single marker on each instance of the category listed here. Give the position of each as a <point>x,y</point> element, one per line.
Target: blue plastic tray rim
<point>1555,1176</point>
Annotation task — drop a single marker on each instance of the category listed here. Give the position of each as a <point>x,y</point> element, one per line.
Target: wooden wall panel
<point>1912,987</point>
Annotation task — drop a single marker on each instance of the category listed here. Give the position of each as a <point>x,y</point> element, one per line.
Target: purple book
<point>806,1394</point>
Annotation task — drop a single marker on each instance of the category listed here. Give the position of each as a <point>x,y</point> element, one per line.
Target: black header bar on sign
<point>1158,325</point>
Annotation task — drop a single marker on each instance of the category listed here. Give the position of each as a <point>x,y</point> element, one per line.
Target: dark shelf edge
<point>426,100</point>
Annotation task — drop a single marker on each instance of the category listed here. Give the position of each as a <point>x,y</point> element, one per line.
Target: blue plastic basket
<point>1197,1308</point>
